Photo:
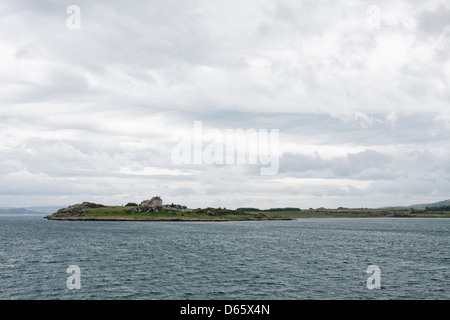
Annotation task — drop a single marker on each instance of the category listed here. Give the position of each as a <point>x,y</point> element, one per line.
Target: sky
<point>119,101</point>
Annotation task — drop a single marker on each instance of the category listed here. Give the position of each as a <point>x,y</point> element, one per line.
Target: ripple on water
<point>301,259</point>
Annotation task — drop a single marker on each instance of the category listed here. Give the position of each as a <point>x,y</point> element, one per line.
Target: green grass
<point>357,213</point>
<point>88,210</point>
<point>92,211</point>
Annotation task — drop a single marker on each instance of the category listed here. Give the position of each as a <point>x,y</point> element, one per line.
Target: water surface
<point>323,258</point>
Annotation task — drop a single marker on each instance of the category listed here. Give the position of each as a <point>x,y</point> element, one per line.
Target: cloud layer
<point>358,91</point>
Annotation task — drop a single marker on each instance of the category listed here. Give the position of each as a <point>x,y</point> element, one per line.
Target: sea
<point>303,259</point>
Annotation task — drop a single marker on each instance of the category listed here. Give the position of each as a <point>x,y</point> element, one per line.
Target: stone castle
<point>152,203</point>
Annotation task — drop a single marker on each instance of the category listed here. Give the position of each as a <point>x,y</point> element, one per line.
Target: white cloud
<point>90,113</point>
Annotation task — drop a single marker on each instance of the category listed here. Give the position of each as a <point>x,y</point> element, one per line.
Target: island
<point>154,210</point>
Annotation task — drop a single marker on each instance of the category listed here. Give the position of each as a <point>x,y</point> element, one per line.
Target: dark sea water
<point>300,259</point>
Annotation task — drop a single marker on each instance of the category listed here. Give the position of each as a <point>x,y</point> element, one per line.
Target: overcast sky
<point>358,91</point>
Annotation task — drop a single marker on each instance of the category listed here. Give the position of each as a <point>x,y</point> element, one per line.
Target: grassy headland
<point>91,211</point>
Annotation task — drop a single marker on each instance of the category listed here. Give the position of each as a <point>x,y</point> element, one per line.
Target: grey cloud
<point>183,191</point>
<point>363,165</point>
<point>79,105</point>
<point>441,55</point>
<point>412,186</point>
<point>434,21</point>
<point>367,160</point>
<point>300,163</point>
<point>29,51</point>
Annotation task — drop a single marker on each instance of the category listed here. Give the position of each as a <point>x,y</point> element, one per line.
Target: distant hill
<point>424,205</point>
<point>44,209</point>
<point>30,210</point>
<point>436,204</point>
<point>18,211</point>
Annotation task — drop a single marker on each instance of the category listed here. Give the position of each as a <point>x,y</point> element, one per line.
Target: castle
<point>153,203</point>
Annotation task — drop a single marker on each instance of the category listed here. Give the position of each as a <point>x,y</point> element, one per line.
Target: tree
<point>131,204</point>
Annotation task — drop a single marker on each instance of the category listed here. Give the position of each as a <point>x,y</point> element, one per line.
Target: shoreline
<point>159,219</point>
<point>224,220</point>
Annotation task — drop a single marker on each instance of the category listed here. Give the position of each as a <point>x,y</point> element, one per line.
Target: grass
<point>358,213</point>
<point>91,211</point>
<point>88,211</point>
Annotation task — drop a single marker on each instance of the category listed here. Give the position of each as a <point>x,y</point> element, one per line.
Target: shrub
<point>131,204</point>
